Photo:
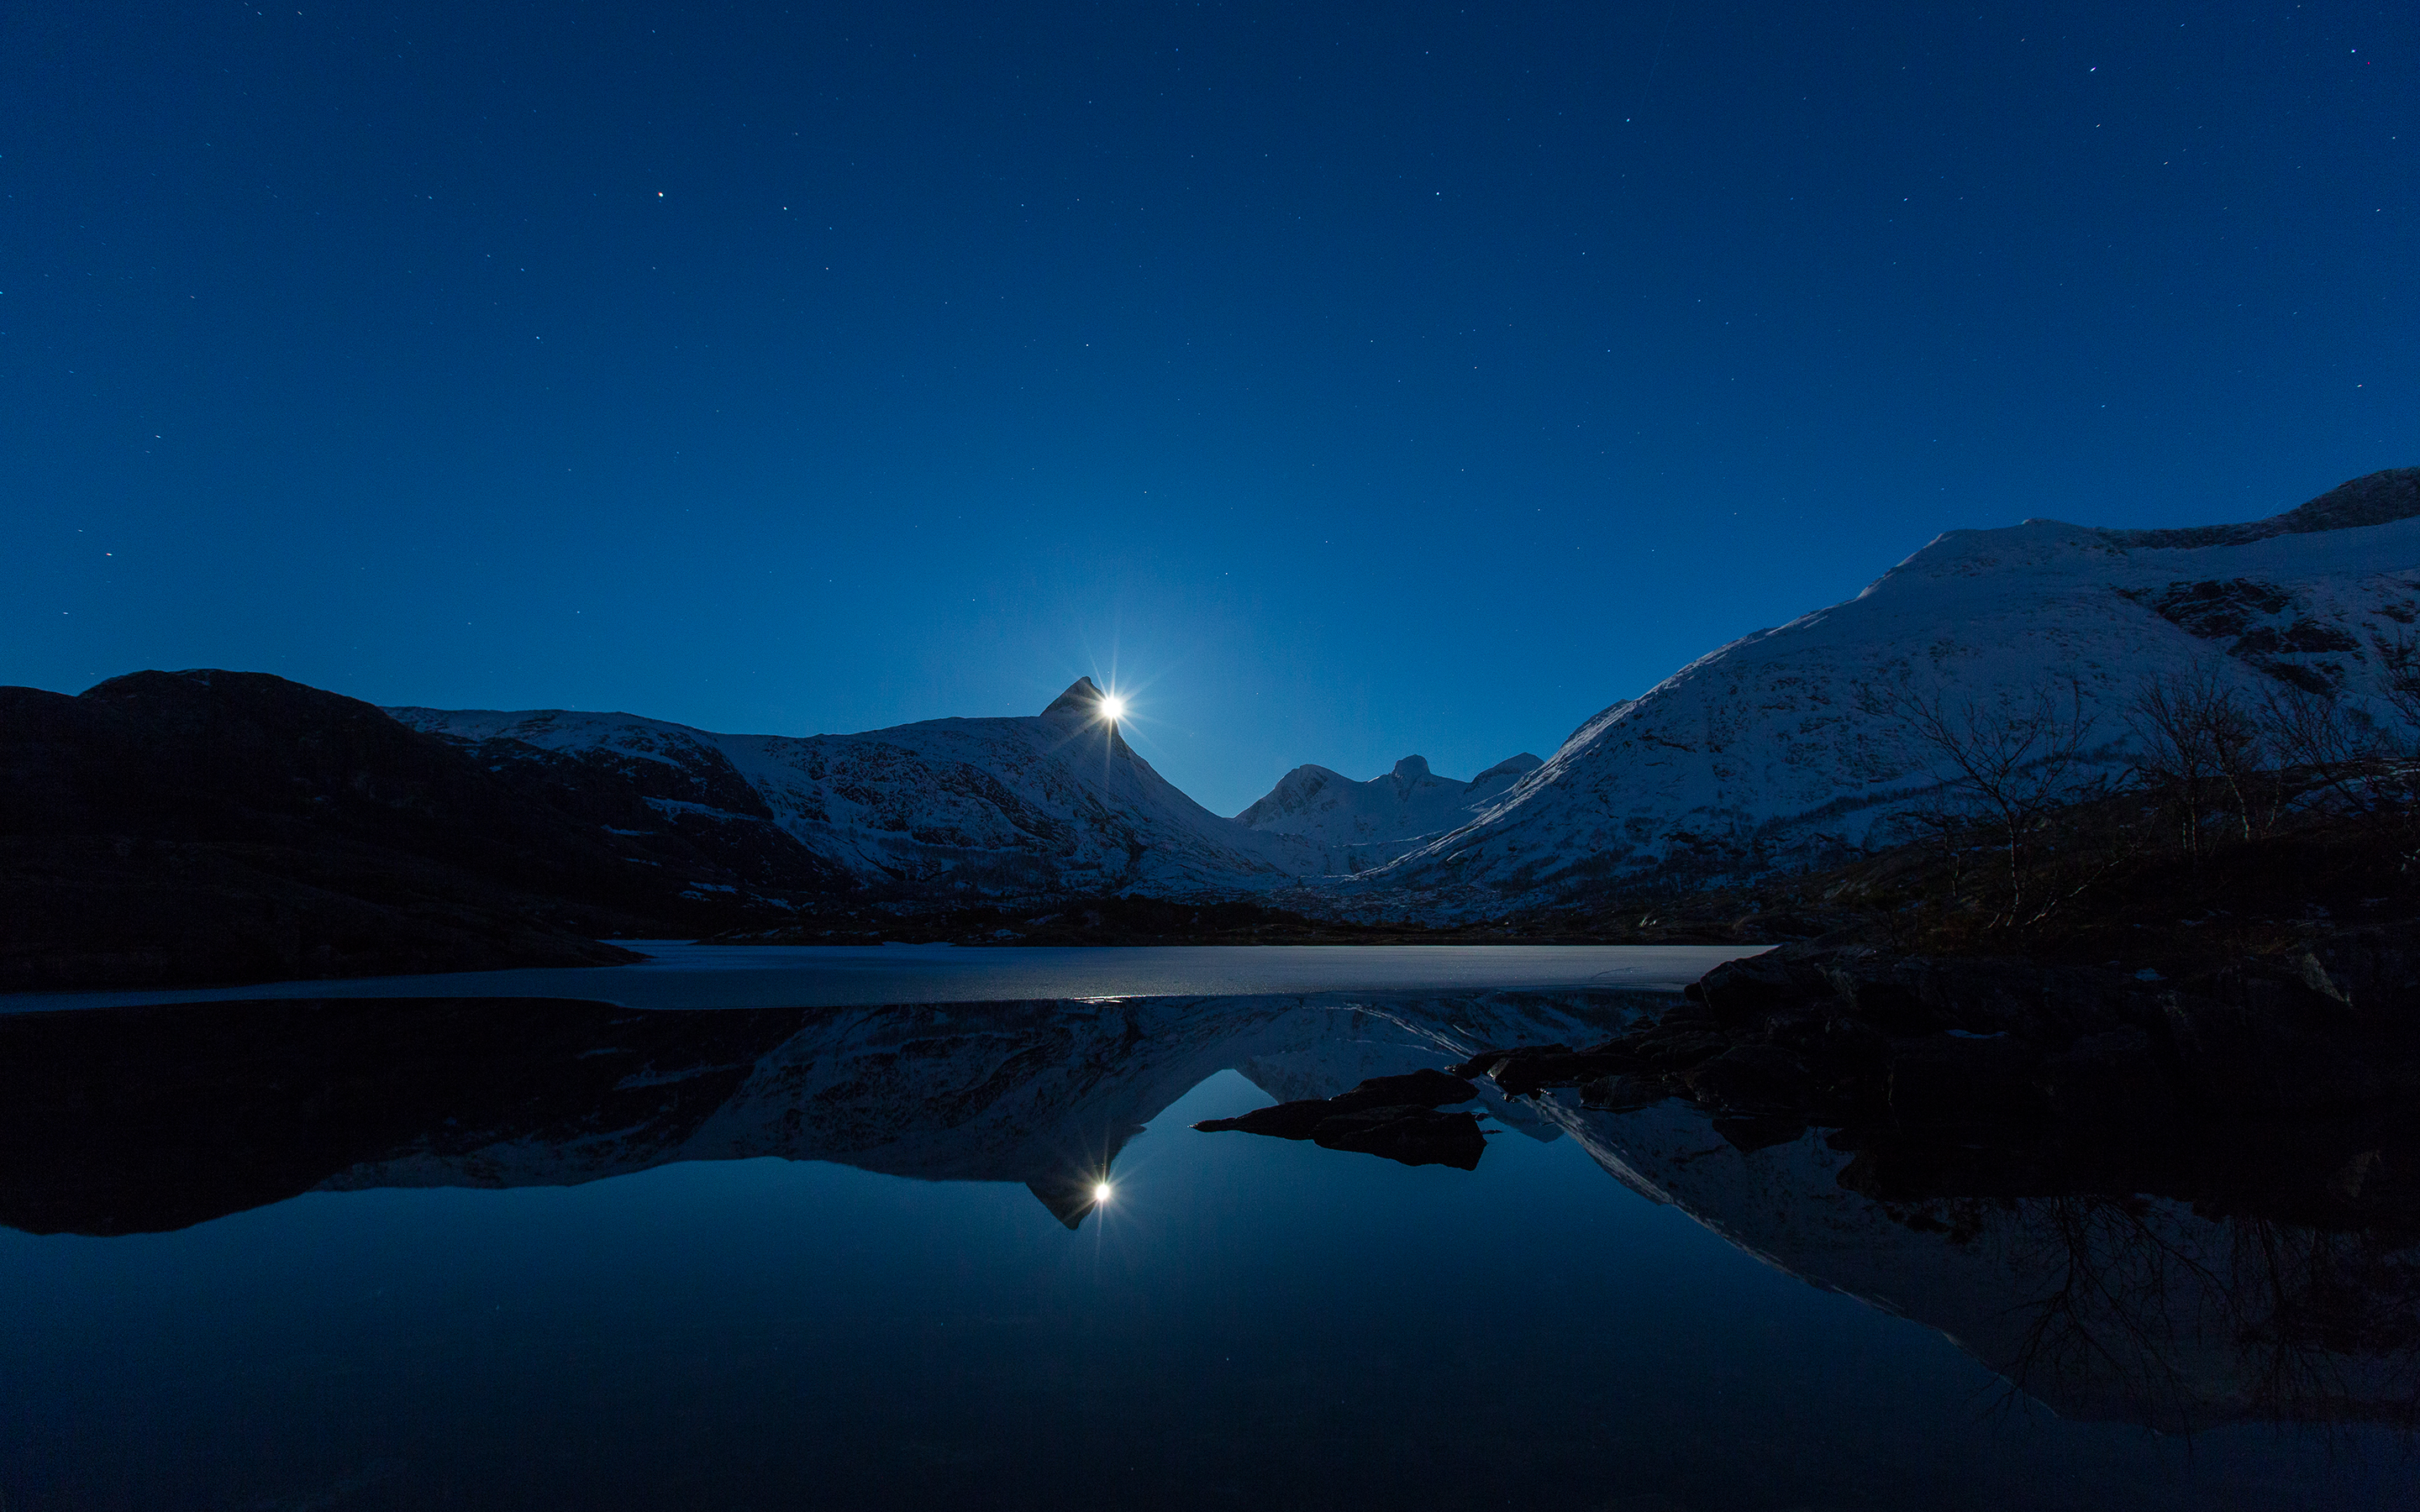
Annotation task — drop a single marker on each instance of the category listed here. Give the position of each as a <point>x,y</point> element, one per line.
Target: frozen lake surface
<point>755,976</point>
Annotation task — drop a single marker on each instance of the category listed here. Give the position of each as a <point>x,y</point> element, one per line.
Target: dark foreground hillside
<point>184,829</point>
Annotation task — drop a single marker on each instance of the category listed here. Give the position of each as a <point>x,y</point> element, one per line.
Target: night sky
<point>1349,379</point>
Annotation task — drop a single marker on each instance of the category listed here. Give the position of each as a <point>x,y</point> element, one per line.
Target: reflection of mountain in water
<point>2274,1277</point>
<point>125,1120</point>
<point>2283,1285</point>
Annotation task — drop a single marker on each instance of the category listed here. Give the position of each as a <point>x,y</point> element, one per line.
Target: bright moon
<point>1101,1192</point>
<point>1114,708</point>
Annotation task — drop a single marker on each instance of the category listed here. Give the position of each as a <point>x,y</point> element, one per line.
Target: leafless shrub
<point>2400,656</point>
<point>2001,767</point>
<point>2199,745</point>
<point>2327,750</point>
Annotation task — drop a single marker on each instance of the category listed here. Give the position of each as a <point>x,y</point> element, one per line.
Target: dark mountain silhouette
<point>210,826</point>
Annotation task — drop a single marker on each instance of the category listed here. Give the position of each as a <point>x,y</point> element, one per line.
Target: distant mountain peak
<point>1510,767</point>
<point>1083,697</point>
<point>1361,825</point>
<point>996,807</point>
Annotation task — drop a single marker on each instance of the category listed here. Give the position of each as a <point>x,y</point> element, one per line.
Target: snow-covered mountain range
<point>1361,825</point>
<point>1771,747</point>
<point>1056,803</point>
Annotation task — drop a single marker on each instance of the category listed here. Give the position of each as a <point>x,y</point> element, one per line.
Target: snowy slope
<point>1762,748</point>
<point>1766,751</point>
<point>1361,825</point>
<point>1053,804</point>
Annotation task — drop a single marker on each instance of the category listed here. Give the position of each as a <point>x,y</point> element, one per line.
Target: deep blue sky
<point>1356,379</point>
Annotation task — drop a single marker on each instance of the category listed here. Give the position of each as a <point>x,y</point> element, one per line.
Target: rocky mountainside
<point>1051,805</point>
<point>1782,746</point>
<point>1360,824</point>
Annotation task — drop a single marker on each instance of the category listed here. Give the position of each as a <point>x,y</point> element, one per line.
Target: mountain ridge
<point>141,826</point>
<point>1356,824</point>
<point>1053,803</point>
<point>1768,751</point>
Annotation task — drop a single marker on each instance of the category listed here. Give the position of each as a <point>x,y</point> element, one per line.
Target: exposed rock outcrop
<point>1395,1117</point>
<point>1849,1037</point>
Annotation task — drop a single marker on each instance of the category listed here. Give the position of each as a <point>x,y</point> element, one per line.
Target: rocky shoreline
<point>1950,1049</point>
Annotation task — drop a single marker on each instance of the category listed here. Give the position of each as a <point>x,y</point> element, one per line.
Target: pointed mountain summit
<point>1015,806</point>
<point>1082,700</point>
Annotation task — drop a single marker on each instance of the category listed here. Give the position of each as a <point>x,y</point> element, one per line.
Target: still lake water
<point>461,1252</point>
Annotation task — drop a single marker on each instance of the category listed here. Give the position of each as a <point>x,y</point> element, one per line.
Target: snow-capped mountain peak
<point>1042,805</point>
<point>1770,748</point>
<point>1081,704</point>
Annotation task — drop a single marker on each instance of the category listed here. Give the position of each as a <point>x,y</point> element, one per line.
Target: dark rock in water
<point>1391,1115</point>
<point>1530,1067</point>
<point>1407,1136</point>
<point>1420,1090</point>
<point>1423,1088</point>
<point>1286,1120</point>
